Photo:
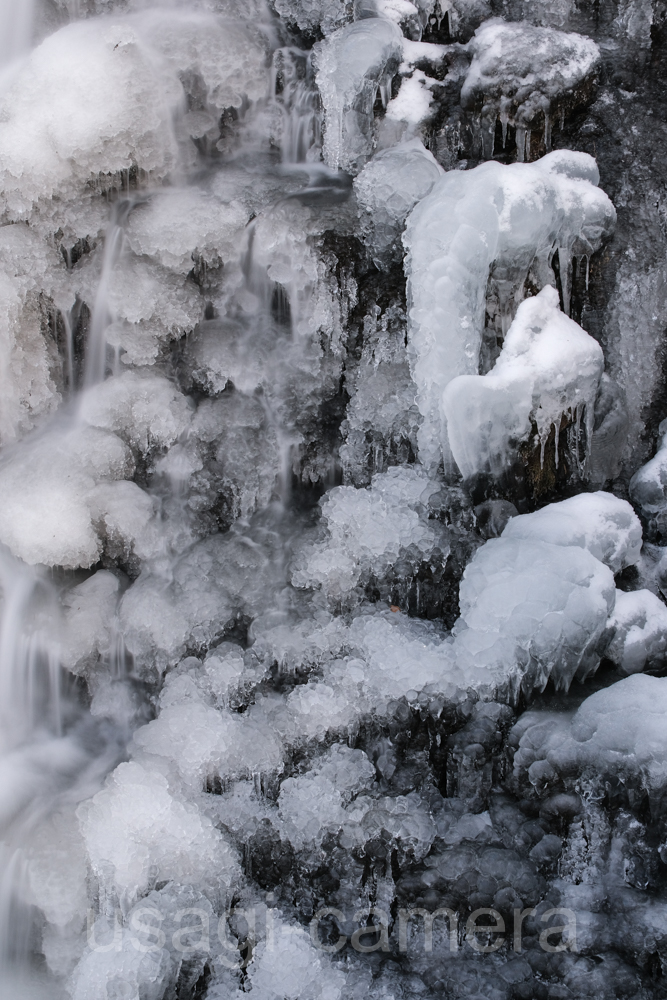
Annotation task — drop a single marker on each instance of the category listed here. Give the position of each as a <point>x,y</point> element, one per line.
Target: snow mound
<point>519,73</point>
<point>600,522</point>
<point>551,601</point>
<point>639,624</point>
<point>549,367</point>
<point>490,226</point>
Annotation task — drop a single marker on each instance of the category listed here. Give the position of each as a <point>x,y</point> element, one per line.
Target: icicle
<point>562,118</point>
<point>528,138</point>
<point>557,436</point>
<point>69,351</point>
<point>588,260</point>
<point>547,131</point>
<point>503,124</point>
<point>565,264</point>
<point>520,143</point>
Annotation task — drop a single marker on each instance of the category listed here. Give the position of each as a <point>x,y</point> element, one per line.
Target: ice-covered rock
<point>75,505</point>
<point>211,585</point>
<point>352,65</point>
<point>551,601</point>
<point>206,743</point>
<point>88,628</point>
<point>648,486</point>
<point>146,970</point>
<point>148,306</point>
<point>182,229</point>
<point>368,530</point>
<point>389,187</point>
<point>617,731</point>
<point>137,832</point>
<point>288,966</point>
<point>91,100</point>
<point>489,226</point>
<point>519,74</point>
<point>600,522</point>
<point>47,489</point>
<point>639,625</point>
<point>145,409</point>
<point>97,99</point>
<point>313,804</point>
<point>548,368</point>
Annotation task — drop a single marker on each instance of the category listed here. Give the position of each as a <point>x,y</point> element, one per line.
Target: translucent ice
<point>352,64</point>
<point>137,832</point>
<point>389,187</point>
<point>368,529</point>
<point>548,367</point>
<point>494,222</point>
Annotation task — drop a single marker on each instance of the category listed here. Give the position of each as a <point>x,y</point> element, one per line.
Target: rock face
<point>333,493</point>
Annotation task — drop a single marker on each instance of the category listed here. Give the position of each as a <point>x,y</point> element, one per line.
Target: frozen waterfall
<point>333,500</point>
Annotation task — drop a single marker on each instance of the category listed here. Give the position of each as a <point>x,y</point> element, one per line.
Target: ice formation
<point>481,233</point>
<point>353,64</point>
<point>519,73</point>
<point>548,368</point>
<point>332,578</point>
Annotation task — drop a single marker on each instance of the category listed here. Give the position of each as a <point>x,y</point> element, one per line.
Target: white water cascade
<point>332,500</point>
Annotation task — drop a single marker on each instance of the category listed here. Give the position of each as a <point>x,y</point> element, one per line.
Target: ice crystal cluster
<point>333,500</point>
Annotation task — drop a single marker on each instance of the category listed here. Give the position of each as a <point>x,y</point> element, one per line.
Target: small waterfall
<point>102,317</point>
<point>299,101</point>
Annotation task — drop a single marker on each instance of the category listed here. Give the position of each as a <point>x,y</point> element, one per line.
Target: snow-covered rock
<point>548,368</point>
<point>492,224</point>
